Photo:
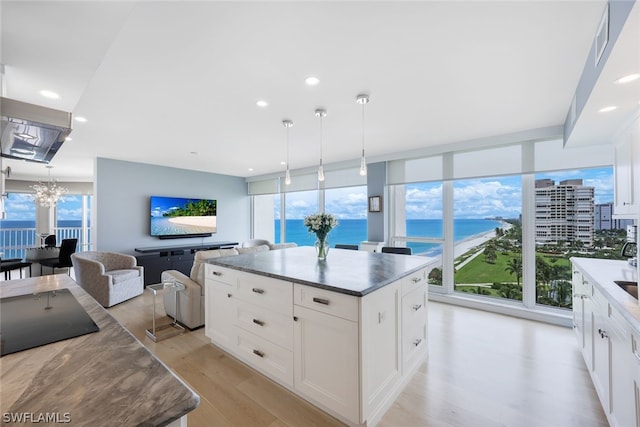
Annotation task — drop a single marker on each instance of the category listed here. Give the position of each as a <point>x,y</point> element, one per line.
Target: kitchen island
<point>104,378</point>
<point>346,334</point>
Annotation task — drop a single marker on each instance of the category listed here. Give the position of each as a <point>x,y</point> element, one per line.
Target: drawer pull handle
<point>321,300</point>
<point>417,307</point>
<point>416,279</point>
<point>229,295</point>
<point>258,353</point>
<point>417,342</point>
<point>603,333</point>
<point>217,273</point>
<point>258,290</point>
<point>258,322</point>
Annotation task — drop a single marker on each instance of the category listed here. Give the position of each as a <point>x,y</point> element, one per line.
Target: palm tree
<point>515,267</point>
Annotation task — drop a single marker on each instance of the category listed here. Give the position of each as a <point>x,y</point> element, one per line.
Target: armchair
<point>109,277</point>
<point>191,300</point>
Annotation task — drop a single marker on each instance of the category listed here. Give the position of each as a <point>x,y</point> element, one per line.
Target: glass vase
<point>322,248</point>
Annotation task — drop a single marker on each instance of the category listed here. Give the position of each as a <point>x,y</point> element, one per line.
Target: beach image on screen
<point>174,216</point>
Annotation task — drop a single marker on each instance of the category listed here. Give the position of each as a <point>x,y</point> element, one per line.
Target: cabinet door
<point>601,349</point>
<point>219,314</point>
<point>380,324</point>
<point>622,396</point>
<point>624,194</point>
<point>326,368</point>
<point>578,308</point>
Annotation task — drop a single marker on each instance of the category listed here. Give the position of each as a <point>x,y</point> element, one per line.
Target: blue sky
<point>21,207</point>
<point>474,198</point>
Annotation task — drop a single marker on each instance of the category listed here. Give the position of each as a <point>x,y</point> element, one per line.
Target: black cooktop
<point>32,320</point>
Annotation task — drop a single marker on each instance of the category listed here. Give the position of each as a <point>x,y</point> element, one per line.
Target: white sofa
<point>191,300</point>
<point>109,277</point>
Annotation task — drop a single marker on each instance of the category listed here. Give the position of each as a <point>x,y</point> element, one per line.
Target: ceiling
<point>175,83</point>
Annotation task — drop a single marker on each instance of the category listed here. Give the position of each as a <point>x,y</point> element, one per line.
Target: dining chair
<point>67,247</point>
<point>394,250</point>
<point>343,246</point>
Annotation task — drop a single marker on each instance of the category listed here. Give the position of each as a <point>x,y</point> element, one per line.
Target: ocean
<point>354,231</point>
<point>24,239</point>
<point>348,231</point>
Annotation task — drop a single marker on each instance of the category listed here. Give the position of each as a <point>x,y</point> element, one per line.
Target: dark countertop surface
<point>106,378</point>
<point>346,271</point>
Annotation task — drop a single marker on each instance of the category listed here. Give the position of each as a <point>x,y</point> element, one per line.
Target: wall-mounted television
<point>175,217</point>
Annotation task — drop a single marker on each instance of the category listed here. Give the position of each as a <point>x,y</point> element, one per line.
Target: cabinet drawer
<point>274,294</point>
<point>415,280</point>
<point>414,345</point>
<point>414,307</point>
<point>334,303</point>
<point>414,327</point>
<point>268,324</point>
<point>221,274</point>
<point>268,358</point>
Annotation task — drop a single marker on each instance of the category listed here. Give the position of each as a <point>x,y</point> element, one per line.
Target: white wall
<point>122,191</point>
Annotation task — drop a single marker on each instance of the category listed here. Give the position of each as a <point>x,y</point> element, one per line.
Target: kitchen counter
<point>345,271</point>
<point>602,273</point>
<point>104,378</point>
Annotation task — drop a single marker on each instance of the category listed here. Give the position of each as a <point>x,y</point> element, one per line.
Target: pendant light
<point>321,113</point>
<point>287,176</point>
<point>48,193</point>
<point>363,99</point>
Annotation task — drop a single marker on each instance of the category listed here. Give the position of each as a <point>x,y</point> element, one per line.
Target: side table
<point>171,329</point>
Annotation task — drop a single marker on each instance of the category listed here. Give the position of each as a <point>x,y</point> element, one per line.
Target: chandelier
<point>48,193</point>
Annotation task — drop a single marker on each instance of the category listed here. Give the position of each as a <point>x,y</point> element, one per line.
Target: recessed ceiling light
<point>250,169</point>
<point>49,94</point>
<point>629,78</point>
<point>607,109</point>
<point>312,81</point>
<point>283,163</point>
<point>262,103</point>
<point>80,119</point>
<point>68,138</point>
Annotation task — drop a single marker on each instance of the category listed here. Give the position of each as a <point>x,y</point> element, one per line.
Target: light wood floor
<point>483,369</point>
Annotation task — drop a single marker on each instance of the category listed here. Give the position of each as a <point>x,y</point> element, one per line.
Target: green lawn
<point>479,271</point>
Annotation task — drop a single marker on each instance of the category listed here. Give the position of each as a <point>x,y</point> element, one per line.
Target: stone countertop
<point>104,378</point>
<point>345,271</point>
<point>602,273</point>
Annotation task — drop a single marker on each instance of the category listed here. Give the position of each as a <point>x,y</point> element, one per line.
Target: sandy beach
<point>470,242</point>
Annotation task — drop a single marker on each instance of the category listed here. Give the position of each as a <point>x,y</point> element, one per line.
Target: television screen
<point>181,217</point>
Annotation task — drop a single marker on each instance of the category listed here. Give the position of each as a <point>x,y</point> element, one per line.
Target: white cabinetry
<point>601,350</point>
<point>627,173</point>
<point>349,355</point>
<point>219,288</point>
<point>326,355</point>
<point>610,351</point>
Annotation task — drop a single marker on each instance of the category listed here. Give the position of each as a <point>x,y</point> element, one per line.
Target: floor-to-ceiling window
<point>18,230</point>
<point>486,224</point>
<point>278,211</point>
<point>297,205</point>
<point>349,206</point>
<point>573,218</point>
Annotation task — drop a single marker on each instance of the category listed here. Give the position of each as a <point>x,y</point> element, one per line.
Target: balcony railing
<point>15,241</point>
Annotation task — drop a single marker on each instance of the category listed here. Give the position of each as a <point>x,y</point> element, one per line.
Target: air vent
<point>602,36</point>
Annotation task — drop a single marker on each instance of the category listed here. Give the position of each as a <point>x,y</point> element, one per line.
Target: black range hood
<point>31,132</point>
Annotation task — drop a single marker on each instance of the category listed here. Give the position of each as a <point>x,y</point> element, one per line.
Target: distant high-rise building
<point>564,212</point>
<point>603,218</point>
